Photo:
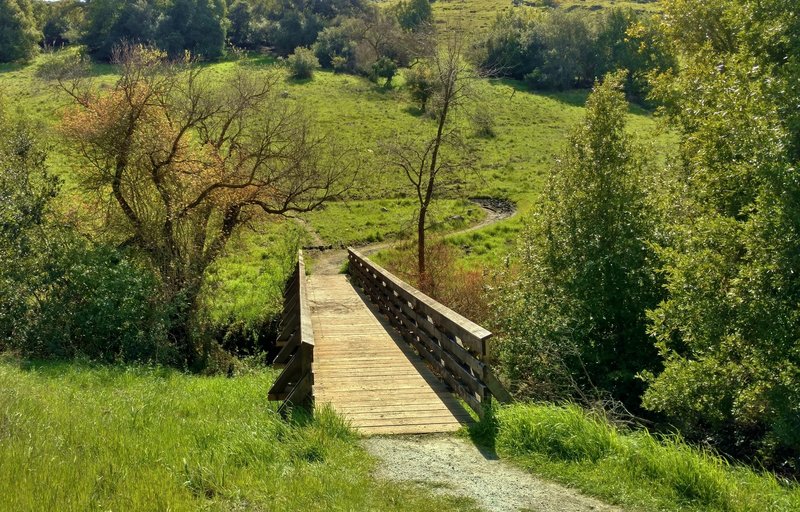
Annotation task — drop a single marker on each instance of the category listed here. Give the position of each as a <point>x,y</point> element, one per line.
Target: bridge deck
<point>367,373</point>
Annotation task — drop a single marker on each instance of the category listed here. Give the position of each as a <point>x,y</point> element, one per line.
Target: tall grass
<point>633,468</point>
<point>77,437</point>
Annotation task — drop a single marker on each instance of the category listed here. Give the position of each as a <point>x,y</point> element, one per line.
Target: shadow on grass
<point>414,111</point>
<point>59,368</point>
<point>10,68</point>
<point>299,81</point>
<point>483,434</point>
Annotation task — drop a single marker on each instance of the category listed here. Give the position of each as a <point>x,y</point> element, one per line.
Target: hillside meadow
<point>530,131</point>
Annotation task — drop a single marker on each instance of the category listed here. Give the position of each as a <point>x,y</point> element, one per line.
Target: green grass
<point>478,15</point>
<point>245,286</point>
<point>77,437</point>
<point>633,469</point>
<point>356,222</point>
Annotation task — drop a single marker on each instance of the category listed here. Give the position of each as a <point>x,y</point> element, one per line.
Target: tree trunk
<point>423,281</point>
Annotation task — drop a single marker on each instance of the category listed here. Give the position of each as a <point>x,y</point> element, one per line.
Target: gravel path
<point>454,466</point>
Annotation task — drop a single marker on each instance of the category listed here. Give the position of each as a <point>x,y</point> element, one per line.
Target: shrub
<point>386,68</point>
<point>421,83</point>
<point>104,306</point>
<point>483,124</point>
<point>335,47</point>
<point>302,63</point>
<point>462,290</point>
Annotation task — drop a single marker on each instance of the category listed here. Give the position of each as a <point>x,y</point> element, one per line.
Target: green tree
<point>18,33</point>
<point>240,31</point>
<point>110,23</point>
<point>728,332</point>
<point>199,26</point>
<point>414,15</point>
<point>574,316</point>
<point>420,82</point>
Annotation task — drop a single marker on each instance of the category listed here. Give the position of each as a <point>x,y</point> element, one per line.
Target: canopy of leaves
<point>728,331</point>
<point>559,50</point>
<point>574,316</point>
<point>19,35</point>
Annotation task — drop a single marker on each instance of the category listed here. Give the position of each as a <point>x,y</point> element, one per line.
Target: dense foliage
<point>701,266</point>
<point>574,317</point>
<point>60,294</point>
<point>198,26</point>
<point>729,331</point>
<point>561,50</point>
<point>18,32</point>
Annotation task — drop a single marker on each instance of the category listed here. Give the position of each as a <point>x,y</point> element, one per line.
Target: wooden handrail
<point>296,339</point>
<point>453,345</point>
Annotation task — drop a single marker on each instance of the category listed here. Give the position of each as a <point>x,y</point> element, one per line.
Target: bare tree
<point>431,165</point>
<point>185,161</point>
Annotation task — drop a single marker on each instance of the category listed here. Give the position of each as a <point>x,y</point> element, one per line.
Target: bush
<point>103,306</point>
<point>483,123</point>
<point>462,290</point>
<point>335,47</point>
<point>302,64</point>
<point>61,295</point>
<point>421,83</point>
<point>386,68</point>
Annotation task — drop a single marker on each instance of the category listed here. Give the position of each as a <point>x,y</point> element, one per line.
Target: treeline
<point>558,50</point>
<point>354,30</point>
<point>676,291</point>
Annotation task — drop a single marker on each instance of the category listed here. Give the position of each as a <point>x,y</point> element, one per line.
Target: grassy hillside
<point>76,437</point>
<point>530,130</point>
<point>479,14</point>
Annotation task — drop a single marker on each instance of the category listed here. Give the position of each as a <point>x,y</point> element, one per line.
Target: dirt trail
<point>330,261</point>
<point>453,466</point>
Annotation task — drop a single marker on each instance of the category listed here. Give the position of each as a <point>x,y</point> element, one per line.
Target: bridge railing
<point>454,346</point>
<point>296,341</point>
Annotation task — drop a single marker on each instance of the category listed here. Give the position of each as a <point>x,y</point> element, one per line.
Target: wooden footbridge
<point>384,355</point>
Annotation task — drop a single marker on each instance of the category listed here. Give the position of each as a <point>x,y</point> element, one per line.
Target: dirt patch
<point>454,466</point>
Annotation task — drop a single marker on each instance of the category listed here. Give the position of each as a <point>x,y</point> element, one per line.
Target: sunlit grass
<point>77,437</point>
<point>633,468</point>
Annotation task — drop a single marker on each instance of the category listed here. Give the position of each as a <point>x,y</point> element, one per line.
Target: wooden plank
<point>363,370</point>
<point>397,406</point>
<point>381,414</point>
